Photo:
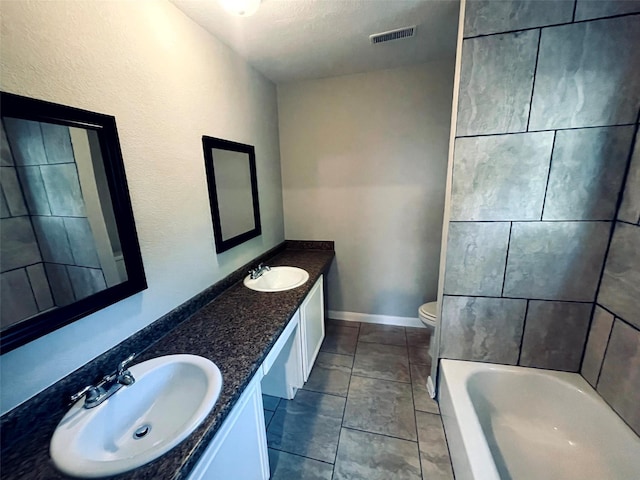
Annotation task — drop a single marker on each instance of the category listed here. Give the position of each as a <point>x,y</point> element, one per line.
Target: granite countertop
<point>236,331</point>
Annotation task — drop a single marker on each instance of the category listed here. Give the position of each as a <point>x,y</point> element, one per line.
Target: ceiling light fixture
<point>242,8</point>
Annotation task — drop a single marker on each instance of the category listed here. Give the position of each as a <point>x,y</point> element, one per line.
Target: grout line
<point>546,187</point>
<point>575,7</point>
<point>627,223</point>
<point>562,24</point>
<point>506,259</point>
<point>298,455</point>
<point>521,298</point>
<point>524,325</point>
<point>479,135</point>
<point>382,379</point>
<point>530,221</point>
<point>383,434</point>
<point>604,355</point>
<point>533,80</point>
<point>618,317</point>
<point>446,441</point>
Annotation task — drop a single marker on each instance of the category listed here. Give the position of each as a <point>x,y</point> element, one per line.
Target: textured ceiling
<point>289,40</point>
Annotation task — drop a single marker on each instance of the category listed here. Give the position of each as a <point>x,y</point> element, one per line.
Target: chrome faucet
<point>110,384</point>
<point>258,271</point>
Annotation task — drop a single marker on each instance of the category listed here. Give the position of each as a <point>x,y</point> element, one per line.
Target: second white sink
<point>277,279</point>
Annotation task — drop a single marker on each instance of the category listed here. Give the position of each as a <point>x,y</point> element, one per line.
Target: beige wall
<point>364,161</point>
<point>167,82</point>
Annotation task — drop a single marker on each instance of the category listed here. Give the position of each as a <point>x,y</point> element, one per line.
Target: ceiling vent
<point>397,34</point>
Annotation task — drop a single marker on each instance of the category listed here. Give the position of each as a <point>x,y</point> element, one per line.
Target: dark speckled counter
<point>236,331</point>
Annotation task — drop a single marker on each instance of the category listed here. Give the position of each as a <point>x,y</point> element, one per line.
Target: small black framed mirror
<point>69,246</point>
<point>233,191</point>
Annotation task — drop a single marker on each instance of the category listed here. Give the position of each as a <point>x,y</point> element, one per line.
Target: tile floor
<point>364,413</point>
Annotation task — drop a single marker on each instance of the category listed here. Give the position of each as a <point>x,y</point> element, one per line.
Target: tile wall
<point>548,108</point>
<point>612,357</point>
<point>49,256</point>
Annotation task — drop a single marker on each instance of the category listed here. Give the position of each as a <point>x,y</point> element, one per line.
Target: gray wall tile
<point>34,191</point>
<point>63,189</point>
<point>554,335</point>
<point>81,240</point>
<point>17,298</point>
<point>12,192</point>
<point>57,143</point>
<point>86,281</point>
<point>619,382</point>
<point>587,170</point>
<point>489,16</point>
<point>587,75</point>
<point>500,177</point>
<point>52,238</point>
<point>596,345</point>
<point>476,258</point>
<point>630,206</point>
<point>482,329</point>
<point>4,208</point>
<point>556,260</point>
<point>40,286</point>
<point>18,246</point>
<point>6,158</point>
<point>495,83</point>
<point>60,284</point>
<point>25,139</point>
<point>589,9</point>
<point>620,287</point>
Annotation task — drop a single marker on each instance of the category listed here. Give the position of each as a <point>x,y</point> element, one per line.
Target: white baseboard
<point>379,319</point>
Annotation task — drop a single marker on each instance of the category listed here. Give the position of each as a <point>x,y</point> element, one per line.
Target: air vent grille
<point>397,34</point>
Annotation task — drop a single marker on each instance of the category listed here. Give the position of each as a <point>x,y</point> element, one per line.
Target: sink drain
<point>141,431</point>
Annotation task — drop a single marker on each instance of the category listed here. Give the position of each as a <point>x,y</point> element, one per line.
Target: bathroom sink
<point>277,279</point>
<point>171,396</point>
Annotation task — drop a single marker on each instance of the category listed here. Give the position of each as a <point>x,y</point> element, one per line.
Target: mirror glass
<point>68,243</point>
<point>233,192</point>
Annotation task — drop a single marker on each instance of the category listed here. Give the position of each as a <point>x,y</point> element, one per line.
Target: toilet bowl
<point>428,314</point>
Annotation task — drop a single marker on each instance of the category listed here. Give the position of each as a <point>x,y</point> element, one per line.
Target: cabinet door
<point>312,322</point>
<point>239,449</point>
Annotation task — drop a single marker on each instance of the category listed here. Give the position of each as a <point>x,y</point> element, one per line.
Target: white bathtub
<point>516,423</point>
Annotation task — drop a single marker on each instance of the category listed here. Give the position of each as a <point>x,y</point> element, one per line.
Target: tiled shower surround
<point>543,254</point>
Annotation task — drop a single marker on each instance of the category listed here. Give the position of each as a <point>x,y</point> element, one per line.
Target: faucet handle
<point>123,364</point>
<point>89,391</point>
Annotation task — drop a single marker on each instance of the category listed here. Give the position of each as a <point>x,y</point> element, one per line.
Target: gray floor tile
<point>368,456</point>
<point>340,339</point>
<point>285,466</point>
<point>419,355</point>
<point>418,337</point>
<point>269,402</point>
<point>434,454</point>
<point>309,425</point>
<point>330,322</point>
<point>386,334</point>
<point>330,374</point>
<point>268,415</point>
<point>421,399</point>
<point>380,406</point>
<point>386,362</point>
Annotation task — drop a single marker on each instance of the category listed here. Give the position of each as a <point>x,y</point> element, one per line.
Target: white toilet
<point>428,314</point>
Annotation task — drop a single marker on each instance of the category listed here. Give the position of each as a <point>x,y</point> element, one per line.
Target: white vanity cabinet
<point>312,326</point>
<point>239,449</point>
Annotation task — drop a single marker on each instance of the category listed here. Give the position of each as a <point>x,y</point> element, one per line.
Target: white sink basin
<point>172,395</point>
<point>278,279</point>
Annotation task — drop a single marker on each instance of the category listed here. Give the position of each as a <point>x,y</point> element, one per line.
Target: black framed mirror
<point>68,240</point>
<point>233,191</point>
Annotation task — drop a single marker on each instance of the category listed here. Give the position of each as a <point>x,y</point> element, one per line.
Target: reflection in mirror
<point>233,191</point>
<point>63,247</point>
